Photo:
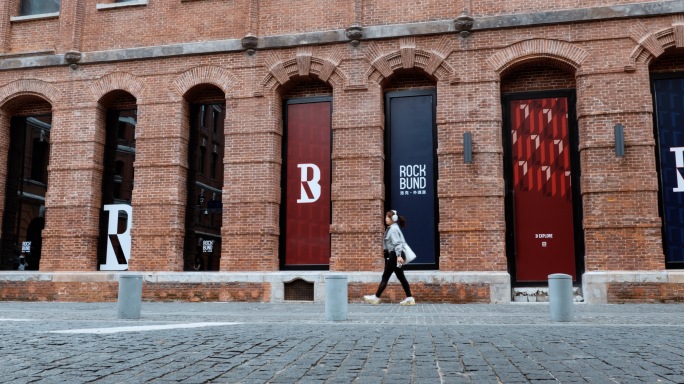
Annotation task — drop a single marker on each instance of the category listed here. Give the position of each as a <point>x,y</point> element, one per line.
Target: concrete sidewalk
<point>292,343</point>
<point>298,313</point>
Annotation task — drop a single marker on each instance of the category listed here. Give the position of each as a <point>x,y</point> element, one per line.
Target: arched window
<point>26,188</point>
<point>667,88</point>
<point>120,116</point>
<point>306,210</point>
<point>207,112</point>
<point>411,160</point>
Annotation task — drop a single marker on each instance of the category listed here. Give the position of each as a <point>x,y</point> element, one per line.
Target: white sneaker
<point>372,299</point>
<point>408,301</point>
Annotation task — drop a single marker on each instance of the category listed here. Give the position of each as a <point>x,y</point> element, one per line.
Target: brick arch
<point>326,69</point>
<point>408,56</point>
<point>118,81</point>
<point>432,62</point>
<point>651,45</point>
<point>564,53</point>
<point>30,87</point>
<point>220,77</point>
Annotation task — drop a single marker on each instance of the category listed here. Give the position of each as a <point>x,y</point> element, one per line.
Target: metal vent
<point>299,290</point>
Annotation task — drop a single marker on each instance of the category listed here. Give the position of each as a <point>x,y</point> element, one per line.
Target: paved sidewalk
<point>292,343</point>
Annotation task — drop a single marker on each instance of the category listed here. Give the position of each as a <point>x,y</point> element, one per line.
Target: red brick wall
<point>620,293</point>
<point>405,79</point>
<point>459,293</point>
<point>101,291</point>
<point>379,12</point>
<point>64,291</point>
<point>162,22</point>
<point>207,292</point>
<point>530,78</point>
<point>280,17</point>
<point>205,94</point>
<point>671,61</point>
<point>34,35</point>
<point>306,87</point>
<point>31,106</point>
<point>255,292</point>
<point>488,7</point>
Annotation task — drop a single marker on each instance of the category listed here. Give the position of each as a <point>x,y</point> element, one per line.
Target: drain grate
<point>299,290</point>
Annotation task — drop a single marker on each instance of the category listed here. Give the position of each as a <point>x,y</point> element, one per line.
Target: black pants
<point>391,267</point>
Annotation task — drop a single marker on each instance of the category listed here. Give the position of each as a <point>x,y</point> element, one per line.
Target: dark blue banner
<point>669,100</point>
<point>412,169</point>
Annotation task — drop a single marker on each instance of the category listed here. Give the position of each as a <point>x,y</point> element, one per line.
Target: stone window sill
<point>39,16</point>
<point>133,3</point>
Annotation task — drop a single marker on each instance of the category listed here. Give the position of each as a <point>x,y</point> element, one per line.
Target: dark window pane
<point>116,190</point>
<point>37,149</point>
<point>39,161</point>
<point>126,128</point>
<point>117,185</point>
<point>216,113</point>
<point>119,168</point>
<point>37,7</point>
<point>214,160</point>
<point>202,156</point>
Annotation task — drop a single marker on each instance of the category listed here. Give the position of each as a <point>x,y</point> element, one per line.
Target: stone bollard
<point>130,296</point>
<point>336,297</point>
<point>560,297</point>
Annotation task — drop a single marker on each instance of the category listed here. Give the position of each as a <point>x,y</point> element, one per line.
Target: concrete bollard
<point>130,296</point>
<point>336,297</point>
<point>560,297</point>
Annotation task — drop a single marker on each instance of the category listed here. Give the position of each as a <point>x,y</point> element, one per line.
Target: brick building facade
<point>518,109</point>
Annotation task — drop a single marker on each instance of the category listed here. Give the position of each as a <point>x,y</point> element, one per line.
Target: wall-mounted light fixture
<point>467,148</point>
<point>619,130</point>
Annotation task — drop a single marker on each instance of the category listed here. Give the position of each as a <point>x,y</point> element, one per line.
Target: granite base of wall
<point>426,286</point>
<point>616,287</point>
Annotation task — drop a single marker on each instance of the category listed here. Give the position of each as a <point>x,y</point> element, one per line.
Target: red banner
<point>307,210</point>
<point>544,230</point>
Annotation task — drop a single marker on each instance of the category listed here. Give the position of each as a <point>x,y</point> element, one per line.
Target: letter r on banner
<point>122,240</point>
<point>679,163</point>
<point>311,189</point>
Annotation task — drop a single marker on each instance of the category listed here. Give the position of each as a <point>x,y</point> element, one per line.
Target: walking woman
<point>393,246</point>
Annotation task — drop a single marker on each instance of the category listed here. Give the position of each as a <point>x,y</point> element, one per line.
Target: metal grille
<point>299,290</point>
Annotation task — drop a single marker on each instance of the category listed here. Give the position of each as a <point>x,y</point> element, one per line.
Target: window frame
<point>37,15</point>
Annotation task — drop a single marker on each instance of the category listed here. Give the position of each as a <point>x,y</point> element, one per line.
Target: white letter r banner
<point>311,189</point>
<point>118,243</point>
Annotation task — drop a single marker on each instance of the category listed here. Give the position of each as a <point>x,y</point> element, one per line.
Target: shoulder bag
<point>409,255</point>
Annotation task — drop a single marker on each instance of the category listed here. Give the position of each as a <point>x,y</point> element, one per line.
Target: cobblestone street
<point>292,343</point>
